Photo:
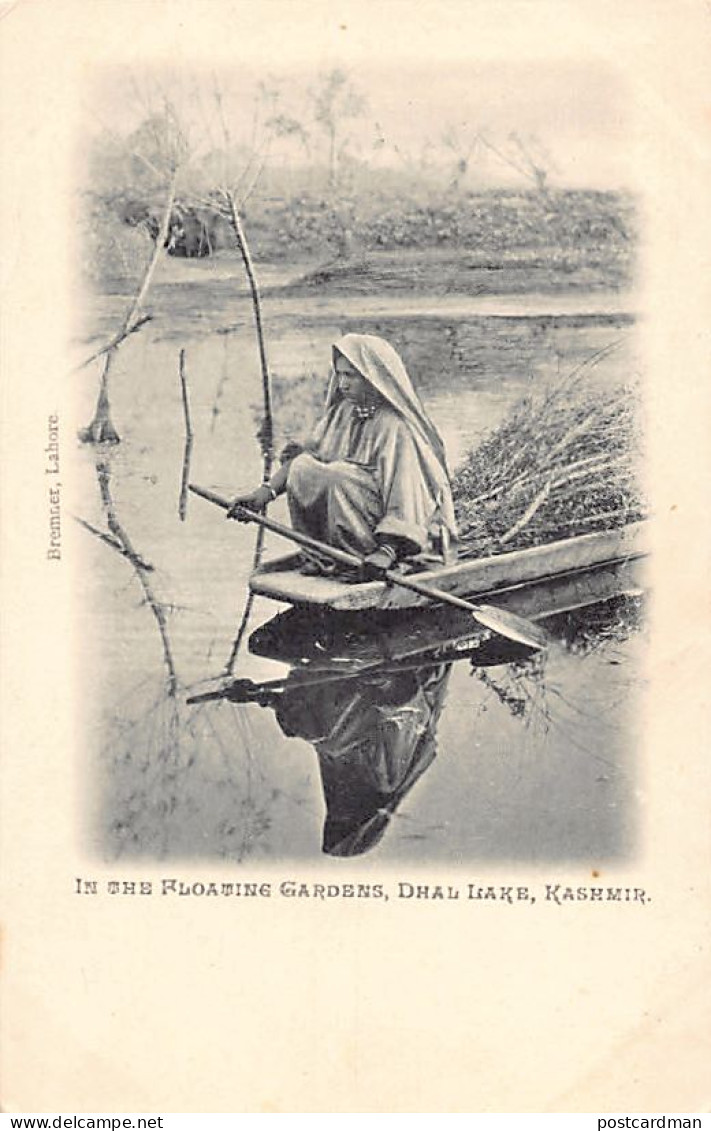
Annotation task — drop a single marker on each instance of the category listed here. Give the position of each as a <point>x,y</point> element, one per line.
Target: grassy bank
<point>448,271</point>
<point>488,242</point>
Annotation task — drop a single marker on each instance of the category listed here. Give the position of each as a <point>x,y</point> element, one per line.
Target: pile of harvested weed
<point>561,464</point>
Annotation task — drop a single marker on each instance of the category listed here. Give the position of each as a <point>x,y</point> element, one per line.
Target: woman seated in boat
<point>372,479</point>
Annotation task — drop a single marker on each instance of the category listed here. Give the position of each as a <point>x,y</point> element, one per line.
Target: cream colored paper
<point>142,1004</point>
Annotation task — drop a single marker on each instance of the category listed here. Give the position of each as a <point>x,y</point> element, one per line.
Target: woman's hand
<point>375,565</point>
<point>254,501</point>
<point>290,451</point>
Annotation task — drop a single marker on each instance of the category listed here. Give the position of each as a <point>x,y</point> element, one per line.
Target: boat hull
<point>605,563</point>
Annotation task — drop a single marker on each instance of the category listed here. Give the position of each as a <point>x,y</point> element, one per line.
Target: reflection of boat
<point>347,645</point>
<point>366,691</point>
<point>535,582</point>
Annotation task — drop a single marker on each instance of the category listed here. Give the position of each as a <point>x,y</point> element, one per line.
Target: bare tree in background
<point>416,162</point>
<point>462,144</point>
<point>528,156</point>
<point>275,120</point>
<point>336,101</point>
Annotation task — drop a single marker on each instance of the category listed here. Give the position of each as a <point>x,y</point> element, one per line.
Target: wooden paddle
<point>510,625</point>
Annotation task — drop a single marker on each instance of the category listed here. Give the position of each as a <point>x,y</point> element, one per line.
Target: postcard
<point>355,556</point>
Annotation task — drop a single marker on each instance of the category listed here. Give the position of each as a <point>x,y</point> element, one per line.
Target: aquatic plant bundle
<point>563,463</point>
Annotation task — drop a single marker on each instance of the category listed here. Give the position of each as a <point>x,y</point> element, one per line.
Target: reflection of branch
<point>237,643</point>
<point>183,504</point>
<point>120,535</point>
<point>219,390</point>
<point>266,433</point>
<point>115,544</point>
<point>520,689</point>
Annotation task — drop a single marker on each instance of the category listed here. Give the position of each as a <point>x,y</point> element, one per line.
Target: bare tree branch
<point>115,341</point>
<point>104,479</point>
<point>267,432</point>
<point>101,429</point>
<point>505,157</point>
<point>115,544</point>
<point>161,240</point>
<point>528,514</point>
<point>183,503</point>
<point>244,621</point>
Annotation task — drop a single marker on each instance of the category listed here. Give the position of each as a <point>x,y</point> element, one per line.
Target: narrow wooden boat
<point>571,564</point>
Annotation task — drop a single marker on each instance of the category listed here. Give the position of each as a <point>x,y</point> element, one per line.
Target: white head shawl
<point>383,368</point>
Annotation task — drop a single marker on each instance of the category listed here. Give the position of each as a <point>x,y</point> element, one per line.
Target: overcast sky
<point>577,111</point>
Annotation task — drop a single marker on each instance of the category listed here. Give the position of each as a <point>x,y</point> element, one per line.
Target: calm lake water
<point>498,761</point>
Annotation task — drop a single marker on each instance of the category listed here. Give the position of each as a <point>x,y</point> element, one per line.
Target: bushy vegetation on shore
<point>563,239</point>
<point>496,220</point>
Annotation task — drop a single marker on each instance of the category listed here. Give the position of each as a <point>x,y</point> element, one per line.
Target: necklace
<point>361,413</point>
<point>364,411</point>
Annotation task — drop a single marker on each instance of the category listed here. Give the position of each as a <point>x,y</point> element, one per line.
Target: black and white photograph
<point>389,327</point>
<point>355,555</point>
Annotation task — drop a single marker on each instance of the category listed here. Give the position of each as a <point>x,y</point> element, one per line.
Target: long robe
<point>379,477</point>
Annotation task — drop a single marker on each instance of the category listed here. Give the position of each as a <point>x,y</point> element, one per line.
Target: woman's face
<point>351,384</point>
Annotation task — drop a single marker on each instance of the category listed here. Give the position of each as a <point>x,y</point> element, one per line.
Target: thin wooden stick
<point>131,322</point>
<point>267,432</point>
<point>101,429</point>
<point>115,544</point>
<point>187,452</point>
<point>570,472</point>
<point>239,636</point>
<point>584,471</point>
<point>103,476</point>
<point>602,516</point>
<point>158,250</point>
<point>527,514</point>
<point>115,341</point>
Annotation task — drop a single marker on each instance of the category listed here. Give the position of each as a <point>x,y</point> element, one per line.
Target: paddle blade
<point>512,626</point>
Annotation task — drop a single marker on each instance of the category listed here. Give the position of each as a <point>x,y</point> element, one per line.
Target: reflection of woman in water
<point>374,737</point>
<point>372,478</point>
